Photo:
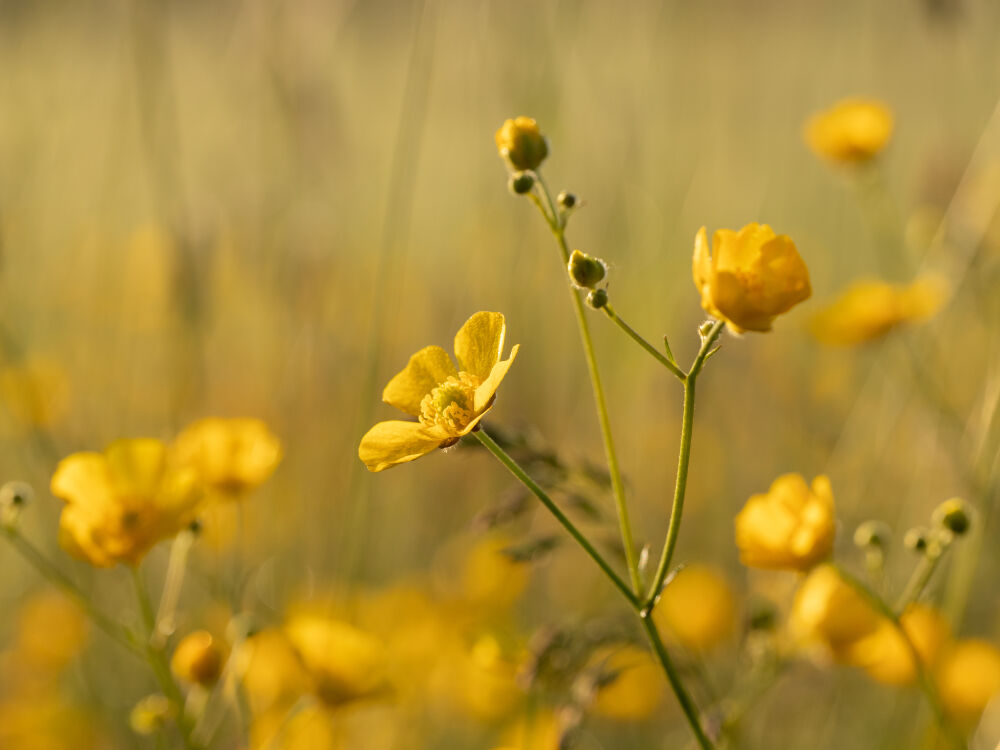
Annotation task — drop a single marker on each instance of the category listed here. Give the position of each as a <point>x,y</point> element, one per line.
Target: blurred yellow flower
<point>36,391</point>
<point>481,682</point>
<point>539,730</point>
<point>791,526</point>
<point>121,502</point>
<point>521,143</point>
<point>850,132</point>
<point>491,580</point>
<point>885,655</point>
<point>343,662</point>
<point>749,277</point>
<point>51,630</point>
<point>447,402</point>
<point>635,686</point>
<point>198,659</point>
<point>868,309</point>
<point>271,671</point>
<point>697,608</point>
<point>308,728</point>
<point>829,610</point>
<point>969,677</point>
<point>150,715</point>
<point>231,456</point>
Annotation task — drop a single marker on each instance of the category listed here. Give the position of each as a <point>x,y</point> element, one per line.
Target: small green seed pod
<point>585,270</point>
<point>521,183</point>
<point>597,299</point>
<point>955,515</point>
<point>872,534</point>
<point>916,539</point>
<point>566,200</point>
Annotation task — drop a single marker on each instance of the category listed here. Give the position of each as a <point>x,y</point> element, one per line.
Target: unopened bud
<point>198,659</point>
<point>521,183</point>
<point>585,270</point>
<point>955,515</point>
<point>521,143</point>
<point>872,534</point>
<point>150,715</point>
<point>597,299</point>
<point>916,539</point>
<point>705,328</point>
<point>14,496</point>
<point>566,200</point>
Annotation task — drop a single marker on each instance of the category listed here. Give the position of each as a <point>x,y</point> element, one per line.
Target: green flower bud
<point>14,496</point>
<point>597,299</point>
<point>955,515</point>
<point>521,183</point>
<point>872,534</point>
<point>521,143</point>
<point>585,270</point>
<point>566,200</point>
<point>150,715</point>
<point>916,539</point>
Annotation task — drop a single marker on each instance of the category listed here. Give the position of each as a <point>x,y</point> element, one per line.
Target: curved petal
<point>425,370</point>
<point>84,479</point>
<point>479,343</point>
<point>489,386</point>
<point>395,442</point>
<point>137,465</point>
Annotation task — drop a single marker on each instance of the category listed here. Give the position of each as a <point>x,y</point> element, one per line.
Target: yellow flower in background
<point>231,456</point>
<point>447,401</point>
<point>480,681</point>
<point>852,131</point>
<point>791,526</point>
<point>539,730</point>
<point>343,662</point>
<point>521,143</point>
<point>121,502</point>
<point>36,391</point>
<point>969,678</point>
<point>150,715</point>
<point>198,659</point>
<point>491,580</point>
<point>634,686</point>
<point>51,630</point>
<point>884,653</point>
<point>697,608</point>
<point>749,277</point>
<point>829,610</point>
<point>308,728</point>
<point>271,671</point>
<point>868,309</point>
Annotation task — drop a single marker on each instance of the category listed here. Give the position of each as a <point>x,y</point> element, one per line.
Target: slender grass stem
<point>919,579</point>
<point>687,705</point>
<point>176,566</point>
<point>48,570</point>
<point>948,729</point>
<point>617,484</point>
<point>158,662</point>
<point>663,360</point>
<point>515,469</point>
<point>683,460</point>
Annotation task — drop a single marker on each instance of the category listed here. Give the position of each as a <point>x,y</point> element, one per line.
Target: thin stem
<point>55,576</point>
<point>918,580</point>
<point>561,517</point>
<point>953,735</point>
<point>665,361</point>
<point>176,565</point>
<point>158,661</point>
<point>617,485</point>
<point>687,705</point>
<point>683,460</point>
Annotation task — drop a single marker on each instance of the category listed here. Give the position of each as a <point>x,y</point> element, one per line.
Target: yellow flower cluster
<point>853,131</point>
<point>137,492</point>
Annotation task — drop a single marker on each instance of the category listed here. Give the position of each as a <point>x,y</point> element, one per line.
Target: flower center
<point>450,406</point>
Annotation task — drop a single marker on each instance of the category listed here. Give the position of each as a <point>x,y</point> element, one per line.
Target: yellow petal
<point>425,370</point>
<point>479,343</point>
<point>395,442</point>
<point>489,386</point>
<point>83,479</point>
<point>136,465</point>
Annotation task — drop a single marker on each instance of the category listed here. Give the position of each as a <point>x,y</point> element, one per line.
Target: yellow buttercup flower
<point>344,663</point>
<point>791,526</point>
<point>869,309</point>
<point>122,502</point>
<point>521,143</point>
<point>447,401</point>
<point>852,131</point>
<point>36,391</point>
<point>481,681</point>
<point>51,630</point>
<point>749,277</point>
<point>231,456</point>
<point>271,671</point>
<point>969,678</point>
<point>198,659</point>
<point>697,608</point>
<point>491,580</point>
<point>635,688</point>
<point>885,655</point>
<point>829,610</point>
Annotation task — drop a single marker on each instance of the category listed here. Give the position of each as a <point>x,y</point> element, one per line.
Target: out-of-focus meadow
<point>262,209</point>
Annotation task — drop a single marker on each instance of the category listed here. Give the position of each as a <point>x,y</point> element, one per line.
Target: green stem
<point>687,705</point>
<point>158,661</point>
<point>617,485</point>
<point>174,582</point>
<point>665,361</point>
<point>953,735</point>
<point>683,460</point>
<point>55,576</point>
<point>561,517</point>
<point>918,580</point>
